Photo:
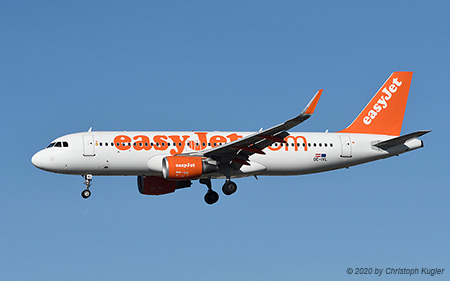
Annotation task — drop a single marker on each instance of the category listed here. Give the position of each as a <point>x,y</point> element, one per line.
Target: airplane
<point>166,161</point>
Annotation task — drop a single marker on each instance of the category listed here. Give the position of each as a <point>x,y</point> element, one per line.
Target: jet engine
<point>186,167</point>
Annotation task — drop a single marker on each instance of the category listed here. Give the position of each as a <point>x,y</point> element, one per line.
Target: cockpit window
<point>58,144</point>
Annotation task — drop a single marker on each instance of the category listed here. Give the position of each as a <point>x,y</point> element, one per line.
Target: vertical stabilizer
<point>383,115</point>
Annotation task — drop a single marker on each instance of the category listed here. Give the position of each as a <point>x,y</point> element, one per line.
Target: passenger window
<point>100,144</point>
<point>331,145</point>
<point>106,144</point>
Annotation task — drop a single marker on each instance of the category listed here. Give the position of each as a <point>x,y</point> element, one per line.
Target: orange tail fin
<point>383,115</point>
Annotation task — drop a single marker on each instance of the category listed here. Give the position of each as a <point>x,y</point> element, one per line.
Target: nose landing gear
<point>86,193</point>
<point>87,181</point>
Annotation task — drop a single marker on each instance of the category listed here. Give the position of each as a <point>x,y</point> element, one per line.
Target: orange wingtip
<point>313,103</point>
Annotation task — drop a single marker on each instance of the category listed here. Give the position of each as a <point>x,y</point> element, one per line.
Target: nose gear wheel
<point>88,182</point>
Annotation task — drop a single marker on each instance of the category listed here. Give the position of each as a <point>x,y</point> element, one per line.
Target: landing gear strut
<point>211,196</point>
<point>229,187</point>
<point>87,181</point>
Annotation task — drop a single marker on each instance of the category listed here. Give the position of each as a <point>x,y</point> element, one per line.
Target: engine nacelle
<point>151,185</point>
<point>186,167</point>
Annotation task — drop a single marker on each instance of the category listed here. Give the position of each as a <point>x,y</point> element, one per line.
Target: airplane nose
<point>38,160</point>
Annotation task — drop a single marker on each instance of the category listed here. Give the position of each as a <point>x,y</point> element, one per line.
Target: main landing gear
<point>87,181</point>
<point>229,187</point>
<point>211,196</point>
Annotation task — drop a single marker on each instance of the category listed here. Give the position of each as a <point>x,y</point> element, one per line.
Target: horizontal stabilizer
<point>400,140</point>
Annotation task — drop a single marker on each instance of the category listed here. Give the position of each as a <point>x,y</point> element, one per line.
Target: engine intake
<point>186,167</point>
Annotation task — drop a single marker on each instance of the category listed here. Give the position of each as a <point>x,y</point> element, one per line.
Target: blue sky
<point>220,65</point>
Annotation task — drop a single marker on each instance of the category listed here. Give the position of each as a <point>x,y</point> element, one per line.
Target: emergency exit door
<point>346,146</point>
<point>88,145</point>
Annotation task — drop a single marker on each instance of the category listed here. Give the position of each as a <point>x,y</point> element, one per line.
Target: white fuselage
<point>141,153</point>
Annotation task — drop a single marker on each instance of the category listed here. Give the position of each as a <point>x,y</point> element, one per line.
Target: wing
<point>236,153</point>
